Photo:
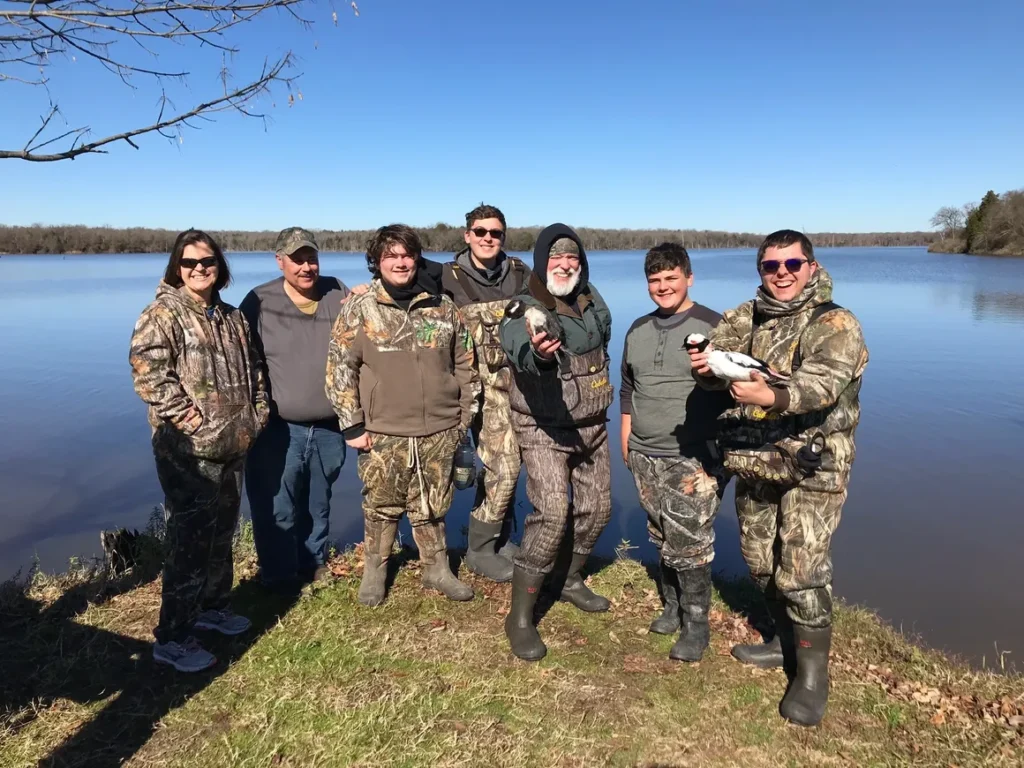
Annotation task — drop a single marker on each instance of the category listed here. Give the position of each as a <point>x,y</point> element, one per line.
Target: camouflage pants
<point>499,454</point>
<point>788,537</point>
<point>557,459</point>
<point>201,500</point>
<point>681,500</point>
<point>408,474</point>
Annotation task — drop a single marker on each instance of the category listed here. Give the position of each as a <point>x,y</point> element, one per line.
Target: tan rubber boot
<point>379,538</point>
<point>430,540</point>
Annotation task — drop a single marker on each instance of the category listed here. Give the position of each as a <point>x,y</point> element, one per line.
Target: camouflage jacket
<point>823,394</point>
<point>396,372</point>
<point>204,385</point>
<point>482,305</point>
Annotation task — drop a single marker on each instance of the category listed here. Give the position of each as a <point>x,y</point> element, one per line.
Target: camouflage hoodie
<point>204,386</point>
<point>406,373</point>
<point>824,393</point>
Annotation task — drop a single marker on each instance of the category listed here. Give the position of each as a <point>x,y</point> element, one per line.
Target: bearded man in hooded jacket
<point>559,398</point>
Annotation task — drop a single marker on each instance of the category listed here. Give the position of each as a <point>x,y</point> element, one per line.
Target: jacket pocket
<point>488,346</point>
<point>369,413</point>
<point>227,432</point>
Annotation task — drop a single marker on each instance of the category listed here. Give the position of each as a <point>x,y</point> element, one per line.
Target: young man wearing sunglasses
<point>791,446</point>
<point>481,280</point>
<point>293,465</point>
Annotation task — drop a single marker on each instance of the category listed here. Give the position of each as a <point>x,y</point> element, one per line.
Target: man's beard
<point>563,286</point>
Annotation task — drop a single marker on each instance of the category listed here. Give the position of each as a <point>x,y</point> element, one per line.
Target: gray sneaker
<point>187,656</point>
<point>225,622</point>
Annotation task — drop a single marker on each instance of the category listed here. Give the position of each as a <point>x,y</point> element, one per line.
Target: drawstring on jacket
<point>414,461</point>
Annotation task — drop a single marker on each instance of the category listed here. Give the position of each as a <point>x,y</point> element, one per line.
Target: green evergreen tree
<point>976,221</point>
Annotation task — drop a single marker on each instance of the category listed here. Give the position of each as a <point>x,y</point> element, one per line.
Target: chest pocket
<point>434,332</point>
<point>487,338</point>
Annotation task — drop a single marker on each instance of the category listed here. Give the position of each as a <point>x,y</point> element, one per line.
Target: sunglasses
<point>208,262</point>
<point>497,234</point>
<point>771,266</point>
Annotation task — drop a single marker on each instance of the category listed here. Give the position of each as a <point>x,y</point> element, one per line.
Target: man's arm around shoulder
<point>344,359</point>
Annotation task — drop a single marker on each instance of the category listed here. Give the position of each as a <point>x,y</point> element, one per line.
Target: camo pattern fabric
<point>823,395</point>
<point>500,460</point>
<point>556,459</point>
<point>201,502</point>
<point>379,353</point>
<point>786,538</point>
<point>200,377</point>
<point>681,498</point>
<point>492,429</point>
<point>483,320</point>
<point>408,474</point>
<point>777,463</point>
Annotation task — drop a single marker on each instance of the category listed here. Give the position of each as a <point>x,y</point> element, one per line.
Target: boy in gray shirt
<point>295,461</point>
<point>667,422</point>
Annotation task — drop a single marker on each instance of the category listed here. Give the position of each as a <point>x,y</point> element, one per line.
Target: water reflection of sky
<point>932,527</point>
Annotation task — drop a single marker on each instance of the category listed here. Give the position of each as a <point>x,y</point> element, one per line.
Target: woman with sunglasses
<point>193,365</point>
<point>791,447</point>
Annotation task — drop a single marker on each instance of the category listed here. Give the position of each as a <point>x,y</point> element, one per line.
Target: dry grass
<point>322,681</point>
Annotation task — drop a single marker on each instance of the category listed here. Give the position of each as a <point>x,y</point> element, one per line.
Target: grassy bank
<point>322,681</point>
<point>958,245</point>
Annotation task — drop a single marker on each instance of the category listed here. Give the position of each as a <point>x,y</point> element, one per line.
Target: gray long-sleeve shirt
<point>294,346</point>
<point>670,415</point>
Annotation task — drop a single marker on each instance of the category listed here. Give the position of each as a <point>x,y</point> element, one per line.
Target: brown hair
<point>172,275</point>
<point>484,211</point>
<point>784,238</point>
<point>385,237</point>
<point>667,256</point>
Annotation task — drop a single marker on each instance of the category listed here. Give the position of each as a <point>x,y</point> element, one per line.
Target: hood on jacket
<point>428,276</point>
<point>545,240</point>
<point>171,296</point>
<point>465,260</point>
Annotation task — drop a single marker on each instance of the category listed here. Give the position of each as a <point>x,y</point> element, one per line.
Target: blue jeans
<point>288,477</point>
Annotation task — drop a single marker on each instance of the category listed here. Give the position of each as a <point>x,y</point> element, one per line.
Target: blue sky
<point>852,116</point>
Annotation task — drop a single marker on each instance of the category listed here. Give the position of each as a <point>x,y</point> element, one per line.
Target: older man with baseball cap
<point>293,465</point>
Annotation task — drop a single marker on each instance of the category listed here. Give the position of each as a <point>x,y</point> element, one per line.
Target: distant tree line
<point>439,238</point>
<point>995,226</point>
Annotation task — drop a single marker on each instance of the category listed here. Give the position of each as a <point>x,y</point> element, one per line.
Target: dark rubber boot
<point>508,548</point>
<point>379,538</point>
<point>694,604</point>
<point>805,700</point>
<point>430,540</point>
<point>769,655</point>
<point>481,557</point>
<point>576,591</point>
<point>520,629</point>
<point>668,622</point>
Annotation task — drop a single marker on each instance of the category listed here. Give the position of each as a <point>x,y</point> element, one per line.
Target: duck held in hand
<point>541,320</point>
<point>732,366</point>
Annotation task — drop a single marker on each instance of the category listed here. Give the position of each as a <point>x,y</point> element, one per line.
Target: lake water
<point>930,536</point>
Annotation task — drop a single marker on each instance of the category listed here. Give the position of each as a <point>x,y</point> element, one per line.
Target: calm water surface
<point>930,536</point>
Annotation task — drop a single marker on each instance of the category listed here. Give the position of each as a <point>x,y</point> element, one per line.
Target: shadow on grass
<point>48,656</point>
<point>742,597</point>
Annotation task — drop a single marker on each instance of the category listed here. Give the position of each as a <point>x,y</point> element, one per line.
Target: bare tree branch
<point>234,100</point>
<point>13,79</point>
<point>38,34</point>
<point>951,220</point>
